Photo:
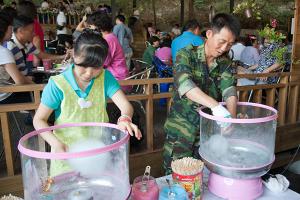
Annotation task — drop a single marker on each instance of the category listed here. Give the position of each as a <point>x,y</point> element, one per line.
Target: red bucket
<point>191,183</point>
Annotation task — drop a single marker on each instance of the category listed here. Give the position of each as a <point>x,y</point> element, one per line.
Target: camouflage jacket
<point>191,71</point>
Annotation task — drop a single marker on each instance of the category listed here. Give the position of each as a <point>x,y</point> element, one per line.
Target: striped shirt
<point>16,49</point>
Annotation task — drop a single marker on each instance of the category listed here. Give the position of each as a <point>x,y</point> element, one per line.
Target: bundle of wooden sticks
<point>187,166</point>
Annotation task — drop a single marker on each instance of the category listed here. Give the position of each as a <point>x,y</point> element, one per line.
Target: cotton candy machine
<point>94,167</point>
<point>238,151</point>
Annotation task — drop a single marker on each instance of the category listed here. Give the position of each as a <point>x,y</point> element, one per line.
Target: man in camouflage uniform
<point>202,76</point>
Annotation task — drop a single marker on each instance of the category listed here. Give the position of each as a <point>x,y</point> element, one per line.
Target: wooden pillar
<point>154,12</point>
<point>149,117</point>
<point>7,144</point>
<point>296,49</point>
<point>191,9</point>
<point>231,5</point>
<point>181,12</point>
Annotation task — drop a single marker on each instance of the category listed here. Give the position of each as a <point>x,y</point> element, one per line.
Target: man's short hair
<point>121,18</point>
<point>191,25</point>
<point>27,8</point>
<point>153,39</point>
<point>224,20</point>
<point>21,21</point>
<point>101,20</point>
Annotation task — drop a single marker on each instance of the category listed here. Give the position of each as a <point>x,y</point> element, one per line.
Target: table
<point>42,76</point>
<point>267,195</point>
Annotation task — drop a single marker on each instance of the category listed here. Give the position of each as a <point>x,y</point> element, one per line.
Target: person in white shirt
<point>61,21</point>
<point>45,5</point>
<point>176,30</point>
<point>9,72</point>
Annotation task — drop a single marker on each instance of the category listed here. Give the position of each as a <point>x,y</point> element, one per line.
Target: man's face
<point>26,33</point>
<point>219,42</point>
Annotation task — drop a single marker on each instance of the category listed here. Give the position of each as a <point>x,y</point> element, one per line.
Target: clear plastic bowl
<point>95,167</point>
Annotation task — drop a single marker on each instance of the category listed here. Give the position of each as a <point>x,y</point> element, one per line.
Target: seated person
<point>164,51</point>
<point>150,50</point>
<point>21,44</point>
<point>250,55</point>
<point>27,8</point>
<point>9,72</point>
<point>266,64</point>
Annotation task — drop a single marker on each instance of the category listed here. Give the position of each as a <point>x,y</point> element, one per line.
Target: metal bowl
<point>242,160</point>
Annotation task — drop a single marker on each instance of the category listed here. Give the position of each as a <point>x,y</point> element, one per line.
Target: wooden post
<point>181,12</point>
<point>154,12</point>
<point>243,97</point>
<point>257,97</point>
<point>282,101</point>
<point>7,144</point>
<point>191,9</point>
<point>293,104</point>
<point>149,116</point>
<point>295,67</point>
<point>231,5</point>
<point>270,101</point>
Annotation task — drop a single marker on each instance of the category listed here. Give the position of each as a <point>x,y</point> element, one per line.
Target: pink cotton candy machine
<point>94,167</point>
<point>238,151</point>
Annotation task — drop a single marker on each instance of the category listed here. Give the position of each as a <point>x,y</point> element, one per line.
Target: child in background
<point>79,95</point>
<point>150,50</point>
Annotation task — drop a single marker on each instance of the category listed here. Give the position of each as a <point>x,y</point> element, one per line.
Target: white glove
<point>277,183</point>
<point>220,111</point>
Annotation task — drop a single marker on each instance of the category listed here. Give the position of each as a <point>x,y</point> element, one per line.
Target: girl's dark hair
<point>5,22</point>
<point>27,8</point>
<point>91,46</point>
<point>21,21</point>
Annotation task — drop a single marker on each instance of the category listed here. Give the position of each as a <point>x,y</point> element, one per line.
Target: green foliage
<point>271,34</point>
<point>204,3</point>
<point>279,54</point>
<point>251,5</point>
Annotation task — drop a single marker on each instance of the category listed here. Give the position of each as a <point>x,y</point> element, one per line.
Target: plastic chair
<point>141,70</point>
<point>163,71</point>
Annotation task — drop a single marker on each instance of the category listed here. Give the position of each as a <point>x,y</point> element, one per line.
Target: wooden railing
<point>283,96</point>
<point>49,18</point>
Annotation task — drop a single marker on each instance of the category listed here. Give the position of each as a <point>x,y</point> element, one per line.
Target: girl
<point>79,95</point>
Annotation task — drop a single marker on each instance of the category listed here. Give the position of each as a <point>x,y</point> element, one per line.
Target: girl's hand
<point>126,124</point>
<point>59,148</point>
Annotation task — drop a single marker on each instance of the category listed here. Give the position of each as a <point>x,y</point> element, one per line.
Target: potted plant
<point>275,37</point>
<point>249,8</point>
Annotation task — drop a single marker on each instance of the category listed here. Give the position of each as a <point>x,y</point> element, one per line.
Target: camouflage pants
<point>182,139</point>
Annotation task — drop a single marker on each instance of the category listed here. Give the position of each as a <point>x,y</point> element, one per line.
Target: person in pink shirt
<point>164,52</point>
<point>115,61</point>
<point>27,8</point>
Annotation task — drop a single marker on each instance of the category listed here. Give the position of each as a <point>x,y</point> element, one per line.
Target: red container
<point>192,184</point>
